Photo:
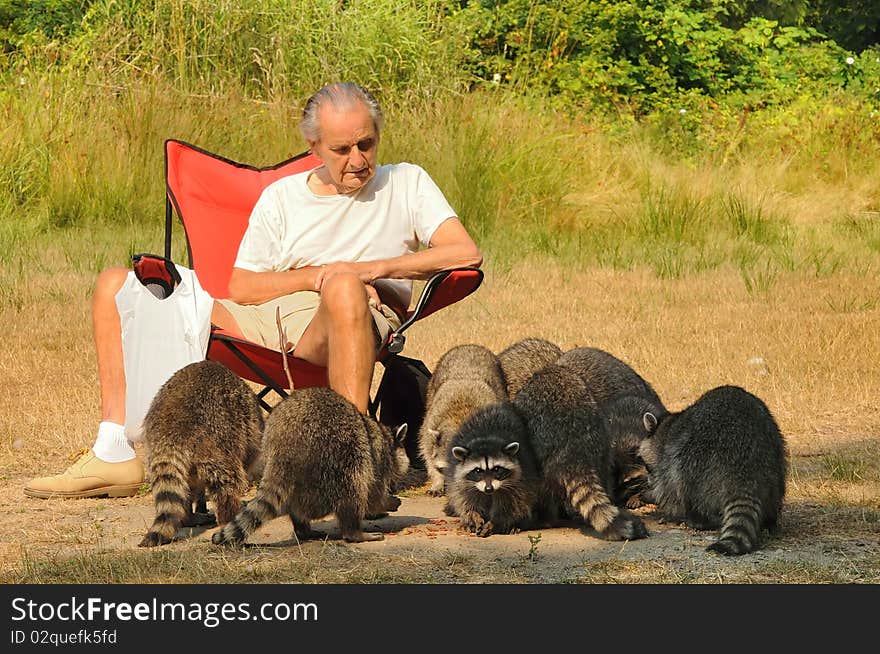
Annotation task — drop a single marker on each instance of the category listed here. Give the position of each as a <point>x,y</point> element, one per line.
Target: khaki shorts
<point>257,321</point>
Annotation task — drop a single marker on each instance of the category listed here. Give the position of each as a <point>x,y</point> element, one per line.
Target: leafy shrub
<point>32,19</point>
<point>640,56</point>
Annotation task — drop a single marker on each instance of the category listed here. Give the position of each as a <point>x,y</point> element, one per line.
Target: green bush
<point>642,56</point>
<point>23,20</point>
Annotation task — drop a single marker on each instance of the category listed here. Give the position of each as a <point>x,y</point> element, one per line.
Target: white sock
<point>111,445</point>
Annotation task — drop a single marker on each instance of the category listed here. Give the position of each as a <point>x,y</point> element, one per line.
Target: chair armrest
<point>445,288</point>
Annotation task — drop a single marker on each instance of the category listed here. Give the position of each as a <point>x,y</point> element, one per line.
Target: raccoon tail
<point>171,493</point>
<point>265,506</point>
<point>740,527</point>
<point>588,498</point>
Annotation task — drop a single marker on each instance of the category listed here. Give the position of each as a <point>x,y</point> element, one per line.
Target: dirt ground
<point>426,546</point>
<point>817,372</point>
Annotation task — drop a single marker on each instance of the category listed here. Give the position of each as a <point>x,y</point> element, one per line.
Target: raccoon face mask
<point>488,473</point>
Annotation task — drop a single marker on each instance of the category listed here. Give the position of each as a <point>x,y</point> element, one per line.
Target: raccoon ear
<point>512,448</point>
<point>650,421</point>
<point>460,453</point>
<point>400,434</point>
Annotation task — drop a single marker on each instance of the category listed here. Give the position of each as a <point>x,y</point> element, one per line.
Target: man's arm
<point>249,287</point>
<point>450,247</point>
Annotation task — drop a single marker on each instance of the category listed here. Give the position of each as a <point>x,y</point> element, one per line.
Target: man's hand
<point>367,271</point>
<point>360,270</point>
<point>326,272</point>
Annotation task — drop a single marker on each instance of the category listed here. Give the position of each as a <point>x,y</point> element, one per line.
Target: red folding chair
<point>213,197</point>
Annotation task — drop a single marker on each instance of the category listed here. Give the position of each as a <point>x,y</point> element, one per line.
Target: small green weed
<point>532,554</point>
<point>845,468</point>
<point>749,220</point>
<point>850,304</point>
<point>758,278</point>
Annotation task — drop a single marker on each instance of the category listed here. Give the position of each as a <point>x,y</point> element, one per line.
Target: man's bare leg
<point>341,338</point>
<point>110,467</point>
<point>108,344</point>
<point>224,320</point>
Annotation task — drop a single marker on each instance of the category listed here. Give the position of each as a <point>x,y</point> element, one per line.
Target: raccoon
<point>721,462</point>
<point>202,433</point>
<point>573,451</point>
<point>606,376</point>
<point>624,423</point>
<point>622,397</point>
<point>525,357</point>
<point>323,456</point>
<point>466,378</point>
<point>469,361</point>
<point>493,483</point>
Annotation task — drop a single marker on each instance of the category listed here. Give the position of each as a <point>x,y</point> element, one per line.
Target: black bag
<point>401,399</point>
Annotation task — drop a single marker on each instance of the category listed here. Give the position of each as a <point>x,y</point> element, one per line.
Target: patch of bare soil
<point>422,545</point>
<point>818,375</point>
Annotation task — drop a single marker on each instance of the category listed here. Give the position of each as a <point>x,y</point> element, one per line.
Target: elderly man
<point>335,248</point>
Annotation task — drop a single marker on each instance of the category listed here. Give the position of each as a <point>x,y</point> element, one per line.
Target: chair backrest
<point>214,196</point>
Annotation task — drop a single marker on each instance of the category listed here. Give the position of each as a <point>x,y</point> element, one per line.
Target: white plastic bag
<point>159,337</point>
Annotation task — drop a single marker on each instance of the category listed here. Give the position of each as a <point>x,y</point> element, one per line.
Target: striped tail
<point>740,527</point>
<point>171,493</point>
<point>588,498</point>
<point>265,506</point>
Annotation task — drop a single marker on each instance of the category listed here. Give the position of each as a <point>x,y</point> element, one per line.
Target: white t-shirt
<point>292,227</point>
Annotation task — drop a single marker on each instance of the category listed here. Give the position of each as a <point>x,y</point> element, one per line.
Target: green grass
<point>323,563</point>
<point>865,227</point>
<point>335,563</point>
<point>750,220</point>
<point>846,468</point>
<point>523,181</point>
<point>83,124</point>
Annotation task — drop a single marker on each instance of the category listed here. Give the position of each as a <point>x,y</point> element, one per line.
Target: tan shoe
<point>90,477</point>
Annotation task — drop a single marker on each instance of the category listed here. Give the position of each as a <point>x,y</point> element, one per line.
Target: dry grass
<point>819,377</point>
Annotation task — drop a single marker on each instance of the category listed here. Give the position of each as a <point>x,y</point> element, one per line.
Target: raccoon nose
<point>488,488</point>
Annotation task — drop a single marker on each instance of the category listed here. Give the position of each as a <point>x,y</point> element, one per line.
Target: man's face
<point>347,146</point>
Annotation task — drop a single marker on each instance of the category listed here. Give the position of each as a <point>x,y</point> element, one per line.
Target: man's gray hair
<point>340,95</point>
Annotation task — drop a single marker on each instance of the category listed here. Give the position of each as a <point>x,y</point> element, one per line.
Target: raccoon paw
<point>472,521</point>
<point>485,530</point>
<point>436,492</point>
<point>626,527</point>
<point>307,534</point>
<point>450,510</point>
<point>635,502</point>
<point>363,537</point>
<point>220,538</point>
<point>152,539</point>
<point>729,547</point>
